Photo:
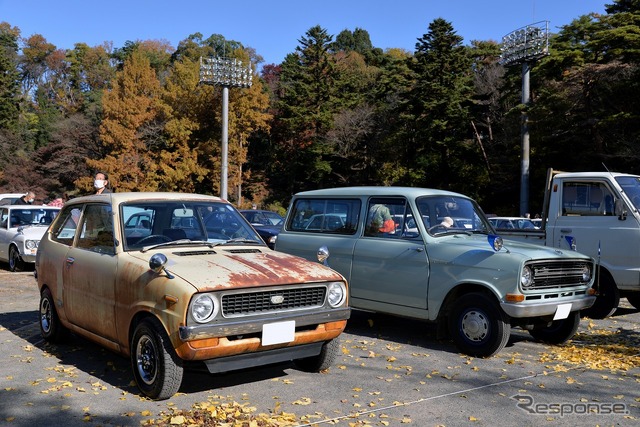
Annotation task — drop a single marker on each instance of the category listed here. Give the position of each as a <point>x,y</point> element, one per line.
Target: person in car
<point>380,220</point>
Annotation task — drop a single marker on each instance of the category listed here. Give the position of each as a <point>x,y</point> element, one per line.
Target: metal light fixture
<point>225,72</point>
<point>523,46</point>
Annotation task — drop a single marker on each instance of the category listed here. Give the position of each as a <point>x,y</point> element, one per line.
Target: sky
<point>273,28</point>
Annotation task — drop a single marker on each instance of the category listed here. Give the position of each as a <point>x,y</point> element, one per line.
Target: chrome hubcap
<point>475,325</point>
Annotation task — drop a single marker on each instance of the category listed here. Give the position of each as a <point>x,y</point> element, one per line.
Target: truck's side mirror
<point>620,210</point>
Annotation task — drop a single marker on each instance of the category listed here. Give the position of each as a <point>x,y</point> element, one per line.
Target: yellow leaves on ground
<point>231,414</point>
<point>598,349</point>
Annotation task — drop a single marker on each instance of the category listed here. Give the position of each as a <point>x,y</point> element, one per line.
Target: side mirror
<point>620,210</point>
<point>323,255</point>
<point>157,263</point>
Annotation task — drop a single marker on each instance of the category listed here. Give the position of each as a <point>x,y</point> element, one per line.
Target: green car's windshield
<point>447,214</point>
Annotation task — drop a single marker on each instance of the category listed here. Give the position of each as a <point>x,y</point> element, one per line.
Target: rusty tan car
<point>187,283</point>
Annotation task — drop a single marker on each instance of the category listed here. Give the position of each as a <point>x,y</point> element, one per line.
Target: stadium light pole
<point>225,72</point>
<point>524,46</point>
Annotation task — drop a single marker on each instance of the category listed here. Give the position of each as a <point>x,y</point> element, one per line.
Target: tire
<point>324,360</point>
<point>50,326</point>
<point>607,300</point>
<point>559,332</point>
<point>156,367</point>
<point>634,300</point>
<point>478,326</point>
<point>15,262</point>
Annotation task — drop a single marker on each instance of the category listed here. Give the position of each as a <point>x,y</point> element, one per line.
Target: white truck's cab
<point>598,214</point>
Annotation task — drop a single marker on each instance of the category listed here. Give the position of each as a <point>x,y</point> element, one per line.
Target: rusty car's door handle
<point>70,260</point>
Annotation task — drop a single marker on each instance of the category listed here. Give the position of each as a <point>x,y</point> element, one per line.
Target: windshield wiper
<point>237,240</point>
<point>181,242</point>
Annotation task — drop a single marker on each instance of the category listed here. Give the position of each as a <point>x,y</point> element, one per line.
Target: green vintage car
<point>441,261</point>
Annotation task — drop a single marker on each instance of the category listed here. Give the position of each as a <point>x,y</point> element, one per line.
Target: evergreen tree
<point>305,112</point>
<point>9,76</point>
<point>438,108</point>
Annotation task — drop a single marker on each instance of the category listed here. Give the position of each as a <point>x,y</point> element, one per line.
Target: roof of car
<point>379,191</point>
<point>133,196</point>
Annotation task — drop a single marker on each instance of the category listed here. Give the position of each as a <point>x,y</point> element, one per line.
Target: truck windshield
<point>631,186</point>
<point>441,214</point>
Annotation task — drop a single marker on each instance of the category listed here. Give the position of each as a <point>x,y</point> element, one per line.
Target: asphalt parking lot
<point>392,372</point>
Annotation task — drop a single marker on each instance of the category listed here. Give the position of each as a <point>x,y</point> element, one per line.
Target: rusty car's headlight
<point>203,308</point>
<point>336,294</point>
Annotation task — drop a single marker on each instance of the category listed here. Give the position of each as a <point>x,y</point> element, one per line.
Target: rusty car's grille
<point>272,300</point>
<point>558,274</point>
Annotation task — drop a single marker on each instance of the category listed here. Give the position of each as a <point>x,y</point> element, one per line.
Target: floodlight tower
<point>225,72</point>
<point>524,46</point>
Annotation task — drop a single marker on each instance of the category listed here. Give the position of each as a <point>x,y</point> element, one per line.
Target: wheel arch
<point>135,321</point>
<point>453,295</point>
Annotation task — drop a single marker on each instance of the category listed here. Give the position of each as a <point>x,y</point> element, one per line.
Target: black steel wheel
<point>156,367</point>
<point>50,327</point>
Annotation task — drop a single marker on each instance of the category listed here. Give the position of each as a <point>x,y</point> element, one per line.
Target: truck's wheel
<point>478,326</point>
<point>50,326</point>
<point>156,367</point>
<point>560,331</point>
<point>634,300</point>
<point>324,360</point>
<point>606,302</point>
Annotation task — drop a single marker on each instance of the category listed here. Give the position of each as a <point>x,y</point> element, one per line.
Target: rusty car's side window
<point>335,216</point>
<point>97,229</point>
<point>65,229</point>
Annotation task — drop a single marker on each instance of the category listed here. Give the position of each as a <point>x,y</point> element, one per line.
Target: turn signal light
<point>514,298</point>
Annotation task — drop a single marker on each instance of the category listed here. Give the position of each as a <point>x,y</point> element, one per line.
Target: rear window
<point>334,216</point>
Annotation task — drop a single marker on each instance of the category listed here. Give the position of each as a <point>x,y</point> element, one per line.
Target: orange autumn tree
<point>129,129</point>
<point>179,168</point>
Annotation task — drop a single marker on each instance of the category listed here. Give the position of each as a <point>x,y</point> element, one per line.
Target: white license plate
<point>278,333</point>
<point>562,311</point>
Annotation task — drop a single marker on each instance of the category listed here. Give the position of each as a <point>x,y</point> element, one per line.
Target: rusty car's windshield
<point>146,224</point>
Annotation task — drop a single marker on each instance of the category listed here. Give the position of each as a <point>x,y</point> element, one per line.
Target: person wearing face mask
<point>27,199</point>
<point>101,183</point>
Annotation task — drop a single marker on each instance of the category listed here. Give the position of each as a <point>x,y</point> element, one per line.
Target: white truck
<point>597,214</point>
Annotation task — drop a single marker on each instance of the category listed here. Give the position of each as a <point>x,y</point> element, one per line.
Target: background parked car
<point>21,228</point>
<point>512,223</point>
<point>267,223</point>
<point>9,198</point>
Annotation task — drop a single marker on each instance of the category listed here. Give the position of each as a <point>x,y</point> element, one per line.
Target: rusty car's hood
<point>239,266</point>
